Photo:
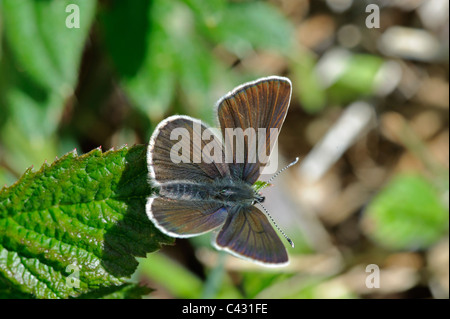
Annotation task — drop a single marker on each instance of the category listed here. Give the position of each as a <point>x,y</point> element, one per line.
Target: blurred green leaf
<point>42,45</point>
<point>207,11</point>
<point>198,71</point>
<point>141,52</point>
<point>196,27</point>
<point>255,282</point>
<point>153,87</point>
<point>215,278</point>
<point>242,24</point>
<point>329,288</point>
<point>180,282</point>
<point>26,140</point>
<point>311,95</point>
<point>126,29</point>
<point>306,287</point>
<point>39,71</point>
<point>406,214</point>
<point>81,214</point>
<point>357,80</point>
<point>6,178</point>
<point>218,283</point>
<point>149,79</point>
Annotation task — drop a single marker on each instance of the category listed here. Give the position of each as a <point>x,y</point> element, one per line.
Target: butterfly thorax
<point>225,191</point>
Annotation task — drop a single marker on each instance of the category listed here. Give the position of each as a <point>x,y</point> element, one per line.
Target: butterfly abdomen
<point>184,190</point>
<point>225,193</point>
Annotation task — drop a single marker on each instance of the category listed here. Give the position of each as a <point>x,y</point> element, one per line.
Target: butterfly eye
<point>226,192</point>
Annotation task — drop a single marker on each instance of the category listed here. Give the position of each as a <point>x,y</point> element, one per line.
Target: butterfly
<point>212,185</point>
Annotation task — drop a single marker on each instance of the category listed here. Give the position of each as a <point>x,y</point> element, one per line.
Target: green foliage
<point>254,284</point>
<point>58,53</point>
<point>82,214</point>
<point>158,46</point>
<point>406,214</point>
<point>86,213</point>
<point>173,277</point>
<point>39,71</point>
<point>357,80</point>
<point>161,53</point>
<point>312,96</point>
<point>260,185</point>
<point>226,27</point>
<point>124,291</point>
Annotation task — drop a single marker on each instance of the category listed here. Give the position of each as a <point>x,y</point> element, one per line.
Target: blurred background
<point>368,118</point>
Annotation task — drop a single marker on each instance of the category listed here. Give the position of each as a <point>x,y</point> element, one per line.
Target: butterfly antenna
<point>276,226</point>
<point>281,170</point>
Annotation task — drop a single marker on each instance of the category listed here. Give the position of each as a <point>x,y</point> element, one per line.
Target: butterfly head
<point>258,198</point>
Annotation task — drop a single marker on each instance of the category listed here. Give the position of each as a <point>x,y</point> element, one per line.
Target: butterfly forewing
<point>173,154</point>
<point>254,107</point>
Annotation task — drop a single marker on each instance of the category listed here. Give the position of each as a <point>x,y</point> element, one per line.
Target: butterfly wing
<point>248,234</point>
<point>261,104</point>
<point>177,151</point>
<point>185,218</point>
<point>175,154</point>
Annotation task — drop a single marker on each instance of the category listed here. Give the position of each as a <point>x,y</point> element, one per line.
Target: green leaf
<point>7,292</point>
<point>310,93</point>
<point>76,226</point>
<point>126,27</point>
<point>153,87</point>
<point>357,80</point>
<point>242,24</point>
<point>38,73</point>
<point>166,272</point>
<point>406,214</point>
<point>161,71</point>
<point>148,74</point>
<point>125,291</point>
<point>260,185</point>
<point>255,282</point>
<point>6,178</point>
<point>41,42</point>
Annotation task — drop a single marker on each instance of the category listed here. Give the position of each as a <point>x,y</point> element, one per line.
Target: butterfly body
<point>197,196</point>
<point>226,192</point>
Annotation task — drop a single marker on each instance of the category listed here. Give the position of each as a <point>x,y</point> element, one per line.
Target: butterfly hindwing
<point>185,218</point>
<point>248,234</point>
